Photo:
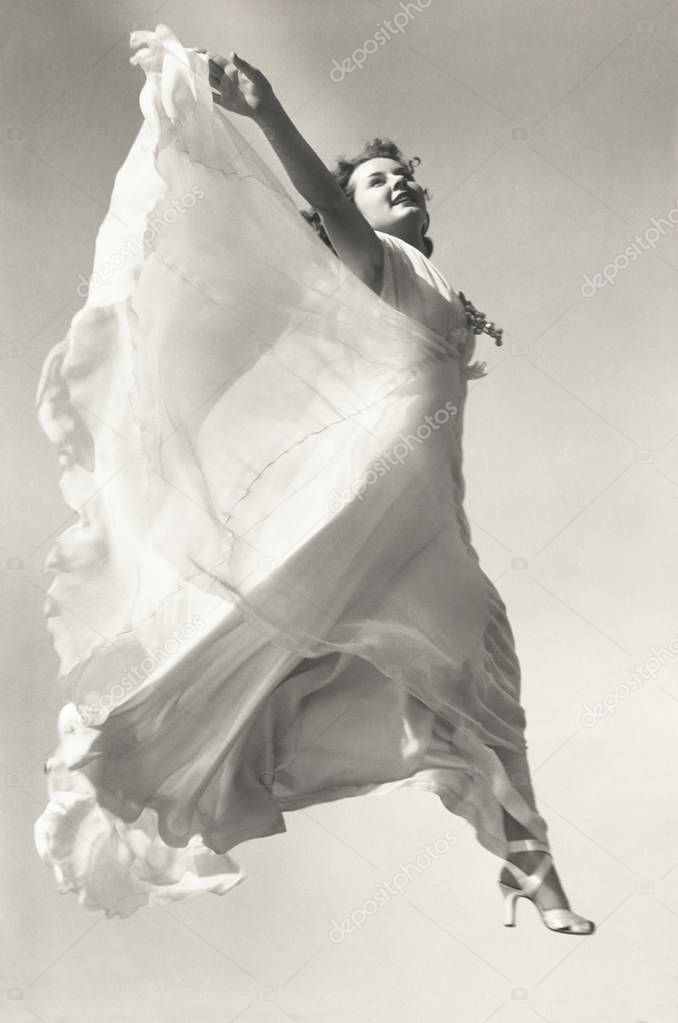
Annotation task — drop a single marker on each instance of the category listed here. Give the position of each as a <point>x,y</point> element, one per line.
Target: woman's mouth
<point>404,198</point>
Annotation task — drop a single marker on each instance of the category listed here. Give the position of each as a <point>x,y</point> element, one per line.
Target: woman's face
<point>387,195</point>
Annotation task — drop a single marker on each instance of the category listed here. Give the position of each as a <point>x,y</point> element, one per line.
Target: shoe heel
<point>511,896</point>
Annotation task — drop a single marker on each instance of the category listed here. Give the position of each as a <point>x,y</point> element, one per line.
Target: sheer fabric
<point>270,597</point>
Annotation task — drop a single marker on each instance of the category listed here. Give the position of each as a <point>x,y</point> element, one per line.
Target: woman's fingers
<point>216,58</point>
<point>220,77</point>
<point>224,82</point>
<point>240,63</point>
<point>216,70</point>
<point>219,73</point>
<point>225,89</point>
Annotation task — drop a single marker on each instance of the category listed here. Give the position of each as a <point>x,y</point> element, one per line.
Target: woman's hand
<point>238,86</point>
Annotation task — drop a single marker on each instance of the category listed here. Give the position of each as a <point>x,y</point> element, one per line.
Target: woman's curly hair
<point>343,170</point>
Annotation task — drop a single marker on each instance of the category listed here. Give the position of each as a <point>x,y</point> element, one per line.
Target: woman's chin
<point>403,213</point>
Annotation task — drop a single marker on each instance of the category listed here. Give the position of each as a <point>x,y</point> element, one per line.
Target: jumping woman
<point>298,396</point>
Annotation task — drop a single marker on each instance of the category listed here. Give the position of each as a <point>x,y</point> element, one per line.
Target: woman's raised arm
<point>242,89</point>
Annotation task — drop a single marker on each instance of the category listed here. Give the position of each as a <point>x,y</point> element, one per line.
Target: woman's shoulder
<point>414,254</point>
<point>411,257</point>
<point>395,242</point>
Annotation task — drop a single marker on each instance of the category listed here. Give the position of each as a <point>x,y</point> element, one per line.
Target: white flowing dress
<point>270,598</point>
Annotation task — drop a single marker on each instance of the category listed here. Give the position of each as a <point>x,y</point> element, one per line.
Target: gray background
<point>547,132</point>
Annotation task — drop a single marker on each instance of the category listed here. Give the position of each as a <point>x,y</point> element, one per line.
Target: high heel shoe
<point>564,921</point>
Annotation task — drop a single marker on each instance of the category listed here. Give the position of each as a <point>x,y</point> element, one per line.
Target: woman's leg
<point>551,894</point>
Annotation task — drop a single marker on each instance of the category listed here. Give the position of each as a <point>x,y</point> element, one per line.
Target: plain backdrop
<point>547,133</point>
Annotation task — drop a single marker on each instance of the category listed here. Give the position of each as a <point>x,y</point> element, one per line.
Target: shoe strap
<point>527,845</point>
<point>529,883</point>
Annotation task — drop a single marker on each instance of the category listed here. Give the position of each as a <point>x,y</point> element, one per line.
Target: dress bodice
<point>413,285</point>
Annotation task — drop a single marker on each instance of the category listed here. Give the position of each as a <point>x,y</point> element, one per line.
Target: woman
<point>355,645</point>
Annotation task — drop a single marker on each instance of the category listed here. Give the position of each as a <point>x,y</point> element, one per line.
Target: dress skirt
<point>270,598</point>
